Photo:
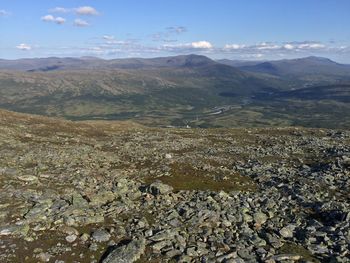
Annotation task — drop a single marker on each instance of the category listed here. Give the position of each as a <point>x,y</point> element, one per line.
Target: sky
<point>231,29</point>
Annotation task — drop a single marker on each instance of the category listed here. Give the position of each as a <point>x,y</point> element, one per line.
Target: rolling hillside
<point>309,68</point>
<point>176,91</point>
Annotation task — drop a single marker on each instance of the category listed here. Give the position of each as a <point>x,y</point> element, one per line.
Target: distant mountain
<point>43,64</point>
<point>309,66</point>
<point>179,89</point>
<point>160,62</point>
<point>85,63</point>
<point>87,87</point>
<point>239,63</point>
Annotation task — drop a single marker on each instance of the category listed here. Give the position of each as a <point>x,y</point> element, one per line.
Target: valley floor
<point>121,192</point>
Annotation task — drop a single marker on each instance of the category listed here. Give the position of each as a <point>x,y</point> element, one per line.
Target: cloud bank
<point>24,47</point>
<point>50,18</point>
<point>80,23</point>
<point>82,10</point>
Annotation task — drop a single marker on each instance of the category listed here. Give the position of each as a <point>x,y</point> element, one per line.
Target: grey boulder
<point>127,253</point>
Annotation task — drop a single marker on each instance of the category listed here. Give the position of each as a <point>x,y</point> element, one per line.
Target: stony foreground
<point>118,192</point>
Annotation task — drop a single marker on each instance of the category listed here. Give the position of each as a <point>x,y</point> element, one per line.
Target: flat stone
<point>84,237</point>
<point>68,230</point>
<point>39,212</point>
<point>287,257</point>
<point>27,178</point>
<point>245,253</point>
<point>101,235</point>
<point>78,200</point>
<point>93,219</point>
<point>168,156</point>
<point>163,235</point>
<point>158,188</point>
<point>44,257</point>
<point>127,253</point>
<point>274,241</point>
<point>260,218</point>
<point>287,232</point>
<point>102,198</point>
<point>71,238</point>
<point>20,230</point>
<point>159,245</point>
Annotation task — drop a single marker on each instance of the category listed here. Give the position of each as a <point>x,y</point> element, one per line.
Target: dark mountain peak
<point>315,60</point>
<point>311,65</point>
<point>198,60</point>
<point>267,65</point>
<point>191,60</point>
<point>240,63</point>
<point>264,67</point>
<point>90,58</point>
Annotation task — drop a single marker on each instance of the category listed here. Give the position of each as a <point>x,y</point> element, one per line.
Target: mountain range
<point>88,63</point>
<point>181,90</point>
<point>303,68</point>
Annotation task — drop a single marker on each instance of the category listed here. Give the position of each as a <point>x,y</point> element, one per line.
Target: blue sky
<point>234,29</point>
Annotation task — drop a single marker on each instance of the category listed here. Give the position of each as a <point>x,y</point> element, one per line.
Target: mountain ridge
<point>176,91</point>
<point>88,62</point>
<point>36,64</point>
<point>296,67</point>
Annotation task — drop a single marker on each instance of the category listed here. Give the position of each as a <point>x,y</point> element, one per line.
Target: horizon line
<point>192,54</point>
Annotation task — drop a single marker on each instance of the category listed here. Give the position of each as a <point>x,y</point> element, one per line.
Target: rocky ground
<point>118,192</point>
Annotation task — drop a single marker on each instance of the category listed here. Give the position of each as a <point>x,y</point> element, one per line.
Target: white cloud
<point>267,46</point>
<point>255,56</point>
<point>234,46</point>
<point>108,37</point>
<point>60,20</point>
<point>202,45</point>
<point>86,10</point>
<point>289,46</point>
<point>24,47</point>
<point>305,45</point>
<point>274,47</point>
<point>169,34</point>
<point>95,50</point>
<point>50,18</point>
<point>82,10</point>
<point>188,47</point>
<point>311,46</point>
<point>60,10</point>
<point>4,13</point>
<point>81,23</point>
<point>199,46</point>
<point>109,45</point>
<point>176,29</point>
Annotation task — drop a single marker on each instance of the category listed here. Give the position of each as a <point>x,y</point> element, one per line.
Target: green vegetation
<point>185,177</point>
<point>290,248</point>
<point>189,90</point>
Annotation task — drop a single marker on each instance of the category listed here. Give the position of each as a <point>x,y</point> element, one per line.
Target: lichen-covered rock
<point>159,188</point>
<point>128,253</point>
<point>102,198</point>
<point>20,230</point>
<point>260,218</point>
<point>100,235</point>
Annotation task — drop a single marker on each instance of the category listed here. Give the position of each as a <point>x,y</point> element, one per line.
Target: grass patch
<point>185,177</point>
<point>291,248</point>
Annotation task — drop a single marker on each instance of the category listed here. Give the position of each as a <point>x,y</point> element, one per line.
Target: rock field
<point>118,192</point>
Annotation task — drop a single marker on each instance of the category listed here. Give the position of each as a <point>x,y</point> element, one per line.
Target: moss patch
<point>290,248</point>
<point>185,177</point>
